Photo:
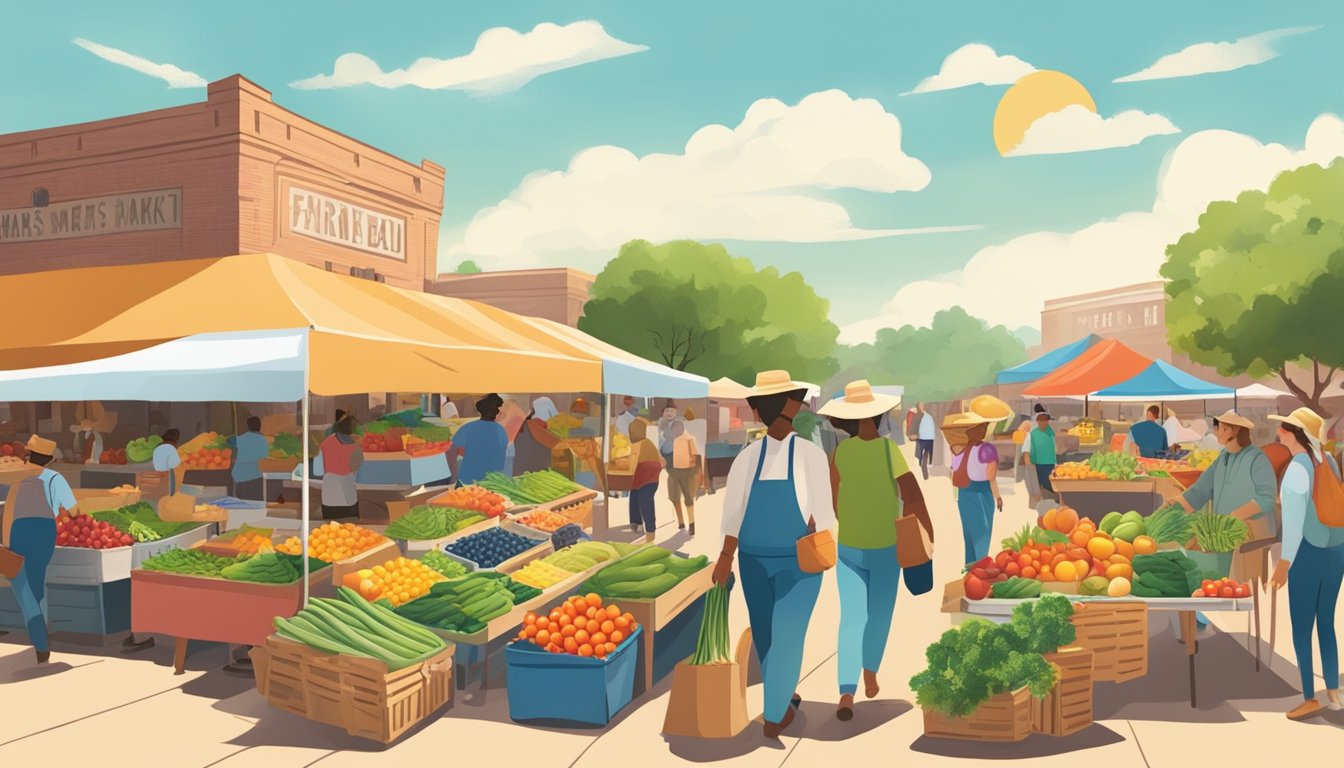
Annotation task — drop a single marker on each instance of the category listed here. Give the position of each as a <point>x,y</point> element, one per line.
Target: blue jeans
<point>641,506</point>
<point>780,598</point>
<point>869,580</point>
<point>1313,590</point>
<point>34,539</point>
<point>976,505</point>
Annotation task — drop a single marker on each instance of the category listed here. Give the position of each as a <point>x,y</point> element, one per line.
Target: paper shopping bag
<point>710,701</point>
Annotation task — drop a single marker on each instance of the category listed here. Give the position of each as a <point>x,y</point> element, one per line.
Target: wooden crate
<point>1005,717</point>
<point>1067,709</point>
<point>1117,635</point>
<point>656,613</point>
<point>352,692</point>
<point>577,506</point>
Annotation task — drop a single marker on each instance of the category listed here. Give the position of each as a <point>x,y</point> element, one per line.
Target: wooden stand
<point>1117,635</point>
<point>1005,717</point>
<point>1067,709</point>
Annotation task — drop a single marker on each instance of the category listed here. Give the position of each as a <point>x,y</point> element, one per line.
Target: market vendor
<point>1149,436</point>
<point>778,490</point>
<point>37,500</point>
<point>88,443</point>
<point>480,446</point>
<point>1038,450</point>
<point>249,449</point>
<point>341,460</point>
<point>166,458</point>
<point>534,442</point>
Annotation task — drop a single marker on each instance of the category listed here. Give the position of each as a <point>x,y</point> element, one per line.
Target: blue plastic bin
<point>573,689</point>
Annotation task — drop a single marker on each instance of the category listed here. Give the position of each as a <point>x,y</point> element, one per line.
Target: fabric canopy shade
<point>727,389</point>
<point>625,373</point>
<point>1047,363</point>
<point>363,336</point>
<point>1162,381</point>
<point>1103,365</point>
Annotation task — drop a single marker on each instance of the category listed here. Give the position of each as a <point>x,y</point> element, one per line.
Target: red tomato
<point>1228,592</point>
<point>1210,589</point>
<point>1241,591</point>
<point>976,589</point>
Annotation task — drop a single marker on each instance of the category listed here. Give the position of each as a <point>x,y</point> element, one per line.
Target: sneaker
<point>1333,704</point>
<point>692,531</point>
<point>43,656</point>
<point>1307,709</point>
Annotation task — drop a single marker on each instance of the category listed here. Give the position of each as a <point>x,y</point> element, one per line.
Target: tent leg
<point>605,458</point>
<point>305,494</point>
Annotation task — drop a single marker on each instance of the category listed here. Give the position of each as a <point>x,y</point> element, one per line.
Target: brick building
<point>236,173</point>
<point>555,294</point>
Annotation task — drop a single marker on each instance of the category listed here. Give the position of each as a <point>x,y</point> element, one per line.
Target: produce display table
<point>671,622</point>
<point>1000,611</point>
<point>215,610</point>
<point>1094,499</point>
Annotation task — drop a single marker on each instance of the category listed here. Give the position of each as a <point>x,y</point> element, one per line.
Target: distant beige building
<point>554,294</point>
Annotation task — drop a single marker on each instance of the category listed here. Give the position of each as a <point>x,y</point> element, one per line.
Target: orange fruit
<point>1124,548</point>
<point>598,639</point>
<point>1144,545</point>
<point>1066,571</point>
<point>1048,519</point>
<point>613,612</point>
<point>593,599</point>
<point>571,645</point>
<point>1083,567</point>
<point>585,650</point>
<point>1029,572</point>
<point>581,636</point>
<point>1119,570</point>
<point>616,637</point>
<point>1065,519</point>
<point>1100,548</point>
<point>608,627</point>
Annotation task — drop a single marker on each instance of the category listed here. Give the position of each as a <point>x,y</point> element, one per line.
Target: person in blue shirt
<point>1149,436</point>
<point>479,445</point>
<point>249,449</point>
<point>37,500</point>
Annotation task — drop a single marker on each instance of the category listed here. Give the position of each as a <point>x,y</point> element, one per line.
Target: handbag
<point>11,563</point>
<point>816,552</point>
<point>914,546</point>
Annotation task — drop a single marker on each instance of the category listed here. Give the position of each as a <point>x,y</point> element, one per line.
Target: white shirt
<point>449,410</point>
<point>811,479</point>
<point>927,429</point>
<point>624,421</point>
<point>166,458</point>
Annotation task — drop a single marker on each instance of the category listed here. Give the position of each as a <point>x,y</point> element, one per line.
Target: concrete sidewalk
<point>96,705</point>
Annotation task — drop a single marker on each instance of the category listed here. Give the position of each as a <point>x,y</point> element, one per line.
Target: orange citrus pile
<point>251,543</point>
<point>474,498</point>
<point>545,520</point>
<point>334,541</point>
<point>1077,470</point>
<point>580,627</point>
<point>400,580</point>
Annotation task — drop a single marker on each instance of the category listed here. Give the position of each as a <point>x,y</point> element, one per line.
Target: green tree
<point>695,308</point>
<point>1256,288</point>
<point>468,267</point>
<point>941,362</point>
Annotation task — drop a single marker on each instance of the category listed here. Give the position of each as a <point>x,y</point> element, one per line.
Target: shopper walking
<point>778,490</point>
<point>870,485</point>
<point>32,535</point>
<point>341,459</point>
<point>975,468</point>
<point>480,446</point>
<point>683,474</point>
<point>1039,451</point>
<point>1312,561</point>
<point>926,430</point>
<point>644,483</point>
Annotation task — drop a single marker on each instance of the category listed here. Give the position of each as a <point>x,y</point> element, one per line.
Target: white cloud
<point>174,76</point>
<point>974,64</point>
<point>759,181</point>
<point>1078,129</point>
<point>1008,283</point>
<point>1206,58</point>
<point>503,60</point>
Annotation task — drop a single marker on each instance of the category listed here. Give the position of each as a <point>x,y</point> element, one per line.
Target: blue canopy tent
<point>1045,364</point>
<point>1162,381</point>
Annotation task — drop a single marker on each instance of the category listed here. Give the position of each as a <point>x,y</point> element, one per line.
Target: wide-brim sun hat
<point>1235,419</point>
<point>775,383</point>
<point>859,402</point>
<point>1308,421</point>
<point>987,409</point>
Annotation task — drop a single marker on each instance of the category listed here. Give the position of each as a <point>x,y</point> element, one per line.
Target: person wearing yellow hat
<point>778,490</point>
<point>870,484</point>
<point>975,470</point>
<point>37,500</point>
<point>1312,560</point>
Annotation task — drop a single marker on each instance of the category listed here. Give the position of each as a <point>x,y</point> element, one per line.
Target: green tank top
<point>869,502</point>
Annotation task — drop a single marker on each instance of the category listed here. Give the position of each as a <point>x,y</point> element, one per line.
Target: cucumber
<point>649,554</point>
<point>637,572</point>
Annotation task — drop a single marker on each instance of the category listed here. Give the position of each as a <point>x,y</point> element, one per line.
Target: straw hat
<point>774,383</point>
<point>42,445</point>
<point>1235,419</point>
<point>859,402</point>
<point>987,409</point>
<point>1308,421</point>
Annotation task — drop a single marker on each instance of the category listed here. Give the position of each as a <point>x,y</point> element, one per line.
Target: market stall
<point>1047,363</point>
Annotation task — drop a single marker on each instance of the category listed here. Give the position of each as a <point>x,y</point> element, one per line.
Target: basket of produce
<point>536,488</point>
<point>502,546</point>
<point>347,546</point>
<point>992,699</point>
<point>89,551</point>
<point>426,527</point>
<point>464,608</point>
<point>597,674</point>
<point>1217,538</point>
<point>1117,635</point>
<point>1067,708</point>
<point>357,666</point>
<point>709,690</point>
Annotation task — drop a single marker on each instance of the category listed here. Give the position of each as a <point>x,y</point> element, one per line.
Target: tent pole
<point>306,492</point>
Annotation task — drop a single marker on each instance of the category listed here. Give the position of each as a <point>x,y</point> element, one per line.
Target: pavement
<point>93,704</point>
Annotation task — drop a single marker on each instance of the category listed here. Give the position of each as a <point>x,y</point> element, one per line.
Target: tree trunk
<point>1311,399</point>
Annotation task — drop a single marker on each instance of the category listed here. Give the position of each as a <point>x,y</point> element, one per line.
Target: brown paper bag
<point>710,701</point>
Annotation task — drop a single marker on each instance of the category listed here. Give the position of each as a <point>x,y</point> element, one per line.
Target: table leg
<point>180,656</point>
<point>1188,632</point>
<point>1273,624</point>
<point>1255,600</point>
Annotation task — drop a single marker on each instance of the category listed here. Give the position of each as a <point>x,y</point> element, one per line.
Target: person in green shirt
<point>869,482</point>
<point>1039,450</point>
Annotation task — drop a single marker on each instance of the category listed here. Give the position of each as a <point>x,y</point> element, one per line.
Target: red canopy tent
<point>1103,365</point>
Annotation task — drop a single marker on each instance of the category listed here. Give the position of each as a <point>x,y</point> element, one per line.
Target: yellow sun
<point>1035,95</point>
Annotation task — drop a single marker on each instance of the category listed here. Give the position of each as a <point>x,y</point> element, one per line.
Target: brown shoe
<point>1307,709</point>
<point>772,730</point>
<point>870,686</point>
<point>845,711</point>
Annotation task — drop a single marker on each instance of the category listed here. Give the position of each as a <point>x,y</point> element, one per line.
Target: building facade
<point>233,174</point>
<point>555,294</point>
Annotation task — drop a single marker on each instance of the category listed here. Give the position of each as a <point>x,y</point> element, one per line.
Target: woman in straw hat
<point>975,471</point>
<point>778,490</point>
<point>1312,561</point>
<point>869,483</point>
<point>36,501</point>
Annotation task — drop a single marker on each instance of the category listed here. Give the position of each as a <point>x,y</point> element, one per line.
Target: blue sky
<point>706,63</point>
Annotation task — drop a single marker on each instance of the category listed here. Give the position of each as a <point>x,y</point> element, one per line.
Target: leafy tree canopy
<point>468,267</point>
<point>1257,286</point>
<point>941,362</point>
<point>696,308</point>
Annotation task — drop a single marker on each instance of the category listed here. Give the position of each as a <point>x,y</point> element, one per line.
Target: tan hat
<point>42,445</point>
<point>774,383</point>
<point>987,409</point>
<point>960,420</point>
<point>1308,421</point>
<point>859,402</point>
<point>1235,419</point>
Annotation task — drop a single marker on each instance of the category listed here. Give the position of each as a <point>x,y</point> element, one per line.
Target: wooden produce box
<point>542,548</point>
<point>90,567</point>
<point>1005,717</point>
<point>1117,635</point>
<point>352,692</point>
<point>664,625</point>
<point>1103,486</point>
<point>577,506</point>
<point>1067,709</point>
<point>380,554</point>
<point>216,610</point>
